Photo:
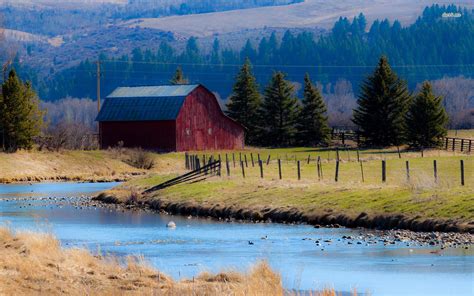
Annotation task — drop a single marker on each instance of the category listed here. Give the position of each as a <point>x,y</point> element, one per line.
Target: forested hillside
<point>417,52</point>
<point>60,19</point>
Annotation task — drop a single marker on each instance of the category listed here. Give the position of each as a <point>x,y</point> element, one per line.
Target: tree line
<point>386,114</point>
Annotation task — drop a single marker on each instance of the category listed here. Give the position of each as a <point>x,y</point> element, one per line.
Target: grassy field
<point>466,134</point>
<point>421,195</point>
<point>35,264</point>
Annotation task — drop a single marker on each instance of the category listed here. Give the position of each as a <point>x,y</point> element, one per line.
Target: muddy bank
<point>294,216</point>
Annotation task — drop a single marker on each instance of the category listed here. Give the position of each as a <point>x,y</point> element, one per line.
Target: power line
<point>287,66</point>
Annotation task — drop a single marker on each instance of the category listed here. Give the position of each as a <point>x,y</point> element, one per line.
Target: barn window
<point>188,132</point>
<point>209,131</point>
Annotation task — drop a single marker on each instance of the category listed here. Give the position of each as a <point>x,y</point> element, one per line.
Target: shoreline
<point>425,232</point>
<point>267,215</point>
<point>67,179</point>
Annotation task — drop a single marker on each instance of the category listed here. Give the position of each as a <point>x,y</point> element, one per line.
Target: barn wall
<point>201,125</point>
<point>153,135</point>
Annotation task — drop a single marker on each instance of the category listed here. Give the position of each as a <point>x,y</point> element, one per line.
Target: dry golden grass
<point>99,165</point>
<point>35,264</point>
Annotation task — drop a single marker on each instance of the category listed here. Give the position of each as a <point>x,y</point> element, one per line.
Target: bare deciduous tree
<point>458,99</point>
<point>71,125</point>
<point>340,101</point>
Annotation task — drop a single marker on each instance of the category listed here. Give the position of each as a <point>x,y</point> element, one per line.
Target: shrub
<point>141,159</point>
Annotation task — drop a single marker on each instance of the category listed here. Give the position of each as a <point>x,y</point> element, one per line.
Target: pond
<point>206,245</point>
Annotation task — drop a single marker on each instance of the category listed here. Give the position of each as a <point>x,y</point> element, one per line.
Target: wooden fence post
<point>447,143</point>
<point>243,169</point>
<point>384,171</point>
<point>233,159</point>
<point>336,178</point>
<point>470,145</point>
<point>454,144</point>
<point>246,163</point>
<point>198,164</point>
<point>399,154</point>
<point>186,160</point>
<point>279,168</point>
<point>321,168</point>
<point>462,145</point>
<point>251,158</point>
<point>268,159</point>
<point>337,153</point>
<point>462,172</point>
<point>358,158</point>
<point>309,158</point>
<point>435,171</point>
<point>318,168</point>
<point>219,169</point>
<point>362,172</point>
<point>258,155</point>
<point>407,165</point>
<point>299,170</point>
<point>261,168</point>
<point>227,165</point>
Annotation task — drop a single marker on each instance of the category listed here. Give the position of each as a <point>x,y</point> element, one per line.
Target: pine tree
<point>245,101</point>
<point>279,112</point>
<point>178,77</point>
<point>382,103</point>
<point>20,115</point>
<point>426,119</point>
<point>313,126</point>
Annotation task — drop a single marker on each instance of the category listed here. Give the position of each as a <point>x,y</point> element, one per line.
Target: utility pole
<point>98,85</point>
<point>98,101</point>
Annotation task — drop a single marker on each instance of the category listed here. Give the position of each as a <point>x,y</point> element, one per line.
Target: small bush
<point>133,198</point>
<point>141,159</point>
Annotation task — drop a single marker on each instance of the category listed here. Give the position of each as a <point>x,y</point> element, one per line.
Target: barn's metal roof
<point>144,103</point>
<point>153,91</point>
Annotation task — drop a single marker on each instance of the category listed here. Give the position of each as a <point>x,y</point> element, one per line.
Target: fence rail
<point>196,175</point>
<point>458,144</point>
<point>449,143</point>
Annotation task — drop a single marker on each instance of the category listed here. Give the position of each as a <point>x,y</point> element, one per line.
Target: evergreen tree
<point>279,112</point>
<point>215,55</point>
<point>313,126</point>
<point>382,103</point>
<point>20,115</point>
<point>426,119</point>
<point>245,101</point>
<point>178,77</point>
<point>248,52</point>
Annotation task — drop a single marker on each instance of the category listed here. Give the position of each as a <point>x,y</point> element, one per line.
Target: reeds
<point>35,264</point>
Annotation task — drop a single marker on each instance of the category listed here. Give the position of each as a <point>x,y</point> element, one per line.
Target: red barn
<point>167,118</point>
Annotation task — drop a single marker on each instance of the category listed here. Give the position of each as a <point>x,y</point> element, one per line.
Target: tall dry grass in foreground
<point>35,264</point>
